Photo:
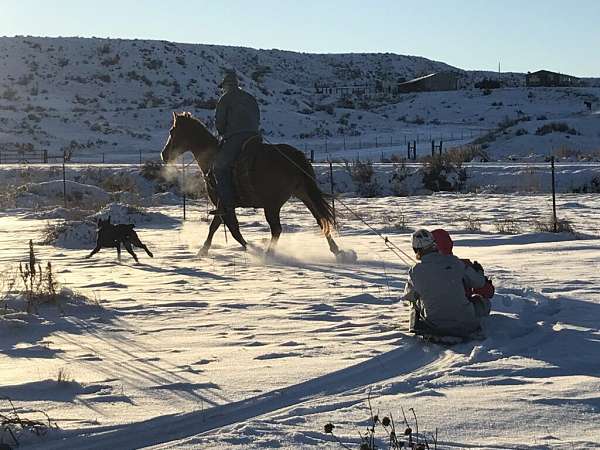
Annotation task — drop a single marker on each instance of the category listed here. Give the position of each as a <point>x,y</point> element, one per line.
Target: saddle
<point>242,174</point>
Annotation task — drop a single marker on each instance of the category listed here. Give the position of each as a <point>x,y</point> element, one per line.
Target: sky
<point>524,35</point>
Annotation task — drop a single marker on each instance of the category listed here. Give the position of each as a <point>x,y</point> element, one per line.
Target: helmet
<point>422,240</point>
<point>230,78</point>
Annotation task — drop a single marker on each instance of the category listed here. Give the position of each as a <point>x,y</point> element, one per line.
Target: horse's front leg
<point>214,226</point>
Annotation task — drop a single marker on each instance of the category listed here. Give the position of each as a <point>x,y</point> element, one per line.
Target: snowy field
<point>238,351</point>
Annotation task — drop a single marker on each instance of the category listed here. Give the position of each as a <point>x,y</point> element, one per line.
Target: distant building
<point>439,81</point>
<point>342,89</point>
<point>549,79</point>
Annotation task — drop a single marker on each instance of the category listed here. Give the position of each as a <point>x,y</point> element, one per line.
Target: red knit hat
<point>443,241</point>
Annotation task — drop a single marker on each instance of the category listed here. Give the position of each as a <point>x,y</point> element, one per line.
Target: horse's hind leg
<point>333,247</point>
<point>273,218</point>
<point>304,198</point>
<point>214,226</point>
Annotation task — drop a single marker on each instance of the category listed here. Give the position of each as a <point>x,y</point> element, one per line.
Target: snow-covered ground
<point>111,100</point>
<point>238,351</point>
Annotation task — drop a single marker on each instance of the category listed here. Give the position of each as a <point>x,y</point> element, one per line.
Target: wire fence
<point>372,148</point>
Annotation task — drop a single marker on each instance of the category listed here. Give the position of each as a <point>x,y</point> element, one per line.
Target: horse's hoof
<point>202,253</point>
<point>346,256</point>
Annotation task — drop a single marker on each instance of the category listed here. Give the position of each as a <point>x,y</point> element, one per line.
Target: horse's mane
<point>188,119</point>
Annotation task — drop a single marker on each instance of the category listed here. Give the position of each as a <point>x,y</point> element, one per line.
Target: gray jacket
<point>237,112</point>
<point>436,285</point>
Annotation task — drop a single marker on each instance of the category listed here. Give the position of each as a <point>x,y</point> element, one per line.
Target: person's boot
<point>217,212</point>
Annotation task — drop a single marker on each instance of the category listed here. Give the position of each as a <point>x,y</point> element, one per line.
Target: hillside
<point>114,97</point>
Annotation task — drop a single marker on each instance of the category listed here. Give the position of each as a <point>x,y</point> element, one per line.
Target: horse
<point>278,173</point>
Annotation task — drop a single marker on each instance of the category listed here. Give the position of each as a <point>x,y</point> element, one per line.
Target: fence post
<point>432,148</point>
<point>102,157</point>
<point>64,178</point>
<point>331,189</point>
<point>554,222</point>
<point>344,142</point>
<point>376,142</point>
<point>312,156</point>
<point>140,157</point>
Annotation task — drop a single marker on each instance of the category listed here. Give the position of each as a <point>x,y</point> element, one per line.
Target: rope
<point>389,244</point>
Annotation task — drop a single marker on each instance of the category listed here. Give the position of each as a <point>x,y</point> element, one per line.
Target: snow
<point>110,100</point>
<point>241,351</point>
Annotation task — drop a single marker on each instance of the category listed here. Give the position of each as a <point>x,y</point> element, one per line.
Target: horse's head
<point>179,138</point>
<point>189,134</point>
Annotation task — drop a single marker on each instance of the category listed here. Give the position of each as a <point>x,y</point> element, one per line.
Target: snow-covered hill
<point>114,97</point>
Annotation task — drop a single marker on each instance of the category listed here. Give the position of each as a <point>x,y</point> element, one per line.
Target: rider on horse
<point>237,119</point>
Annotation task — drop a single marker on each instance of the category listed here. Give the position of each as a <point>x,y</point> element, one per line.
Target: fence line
<point>319,148</point>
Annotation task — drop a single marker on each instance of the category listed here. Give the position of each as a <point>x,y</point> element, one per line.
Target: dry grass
<point>508,225</point>
<point>472,224</point>
<point>13,426</point>
<point>392,439</point>
<point>546,225</point>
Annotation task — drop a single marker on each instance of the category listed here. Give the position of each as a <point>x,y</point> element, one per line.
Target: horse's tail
<point>310,194</point>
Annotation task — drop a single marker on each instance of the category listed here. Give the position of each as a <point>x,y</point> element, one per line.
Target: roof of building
<point>539,72</point>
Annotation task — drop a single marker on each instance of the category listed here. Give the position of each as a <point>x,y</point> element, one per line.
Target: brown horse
<point>279,172</point>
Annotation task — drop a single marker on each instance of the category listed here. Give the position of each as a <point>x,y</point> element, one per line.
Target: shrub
<point>440,173</point>
<point>258,75</point>
<point>546,225</point>
<point>104,49</point>
<point>362,174</point>
<point>40,285</point>
<point>592,187</point>
<point>555,127</point>
<point>472,224</point>
<point>153,64</point>
<point>466,153</point>
<point>521,132</point>
<point>399,182</point>
<point>488,84</point>
<point>508,225</point>
<point>10,94</point>
<point>111,60</point>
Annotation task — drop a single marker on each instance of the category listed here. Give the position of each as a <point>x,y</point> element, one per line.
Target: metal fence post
<point>554,221</point>
<point>64,178</point>
<point>331,188</point>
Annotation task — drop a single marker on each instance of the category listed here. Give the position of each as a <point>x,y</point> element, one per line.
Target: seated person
<point>436,290</point>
